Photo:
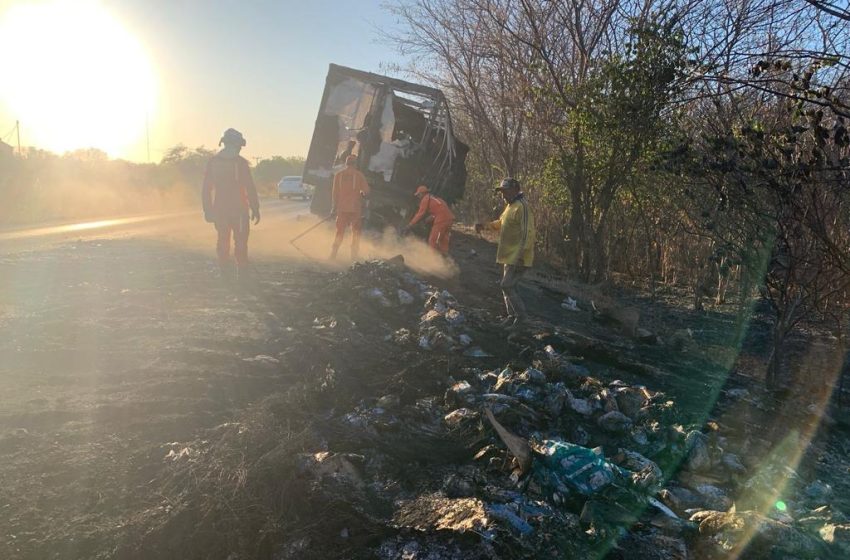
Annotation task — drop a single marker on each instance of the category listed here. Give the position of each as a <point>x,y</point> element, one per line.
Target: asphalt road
<point>184,225</point>
<point>119,340</point>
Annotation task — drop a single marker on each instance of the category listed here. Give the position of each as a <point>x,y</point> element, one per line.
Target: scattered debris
<point>436,513</point>
<point>729,533</point>
<point>696,444</point>
<point>566,464</point>
<point>262,360</point>
<point>573,466</point>
<point>518,446</point>
<point>404,298</point>
<point>615,421</point>
<point>569,304</point>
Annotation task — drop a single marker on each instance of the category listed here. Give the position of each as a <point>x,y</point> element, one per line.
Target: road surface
<point>119,340</point>
<point>184,224</point>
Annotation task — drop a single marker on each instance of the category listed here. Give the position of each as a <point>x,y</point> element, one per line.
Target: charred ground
<point>152,411</point>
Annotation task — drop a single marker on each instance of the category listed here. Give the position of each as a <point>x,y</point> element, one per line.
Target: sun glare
<point>74,76</point>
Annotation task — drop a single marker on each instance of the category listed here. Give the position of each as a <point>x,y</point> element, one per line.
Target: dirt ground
<point>127,363</point>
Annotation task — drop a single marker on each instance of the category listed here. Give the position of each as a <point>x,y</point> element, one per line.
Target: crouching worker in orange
<point>228,195</point>
<point>440,215</point>
<point>349,190</point>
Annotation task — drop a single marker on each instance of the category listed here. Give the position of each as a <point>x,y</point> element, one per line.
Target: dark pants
<point>511,275</point>
<point>238,228</point>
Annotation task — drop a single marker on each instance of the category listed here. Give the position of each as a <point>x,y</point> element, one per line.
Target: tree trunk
<point>776,377</point>
<point>576,229</point>
<point>600,256</point>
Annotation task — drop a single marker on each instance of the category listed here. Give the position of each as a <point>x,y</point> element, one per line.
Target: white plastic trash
<point>454,317</point>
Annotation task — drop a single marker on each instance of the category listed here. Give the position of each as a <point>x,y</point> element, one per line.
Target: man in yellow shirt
<point>516,247</point>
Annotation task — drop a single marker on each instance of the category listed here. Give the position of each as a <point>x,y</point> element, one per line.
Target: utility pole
<point>18,131</point>
<point>148,135</point>
<point>256,160</point>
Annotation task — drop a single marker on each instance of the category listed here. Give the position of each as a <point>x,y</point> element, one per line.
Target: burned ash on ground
<point>415,428</point>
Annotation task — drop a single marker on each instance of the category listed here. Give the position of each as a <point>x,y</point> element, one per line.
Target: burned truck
<point>401,134</point>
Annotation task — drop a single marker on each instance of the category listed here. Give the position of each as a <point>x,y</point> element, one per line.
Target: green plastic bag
<point>585,470</point>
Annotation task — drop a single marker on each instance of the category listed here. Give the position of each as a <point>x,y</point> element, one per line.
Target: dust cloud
<point>85,184</point>
<point>44,188</point>
<point>280,224</point>
<point>86,200</point>
<point>73,199</point>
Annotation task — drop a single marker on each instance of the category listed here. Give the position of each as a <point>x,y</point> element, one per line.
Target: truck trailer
<point>401,134</point>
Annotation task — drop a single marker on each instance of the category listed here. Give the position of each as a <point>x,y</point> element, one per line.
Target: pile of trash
<point>537,460</point>
<point>388,296</point>
<point>434,450</point>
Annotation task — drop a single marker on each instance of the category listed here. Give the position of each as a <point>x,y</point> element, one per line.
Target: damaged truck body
<point>401,134</point>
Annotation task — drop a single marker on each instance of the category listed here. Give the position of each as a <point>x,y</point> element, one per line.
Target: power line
<point>17,130</point>
<point>11,130</point>
<point>148,135</point>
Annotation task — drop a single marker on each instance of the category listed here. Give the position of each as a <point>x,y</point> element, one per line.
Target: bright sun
<point>74,76</point>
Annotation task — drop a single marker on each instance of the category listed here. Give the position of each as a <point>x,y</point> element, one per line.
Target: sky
<point>98,73</point>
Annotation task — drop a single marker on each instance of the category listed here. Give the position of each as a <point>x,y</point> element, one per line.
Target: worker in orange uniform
<point>349,190</point>
<point>440,215</point>
<point>228,195</point>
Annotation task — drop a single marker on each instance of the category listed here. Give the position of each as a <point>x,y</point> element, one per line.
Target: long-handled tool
<point>305,232</point>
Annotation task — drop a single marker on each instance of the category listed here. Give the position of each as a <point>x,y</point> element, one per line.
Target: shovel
<point>306,231</point>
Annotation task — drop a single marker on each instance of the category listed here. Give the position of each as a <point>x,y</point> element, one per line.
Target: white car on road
<point>292,187</point>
